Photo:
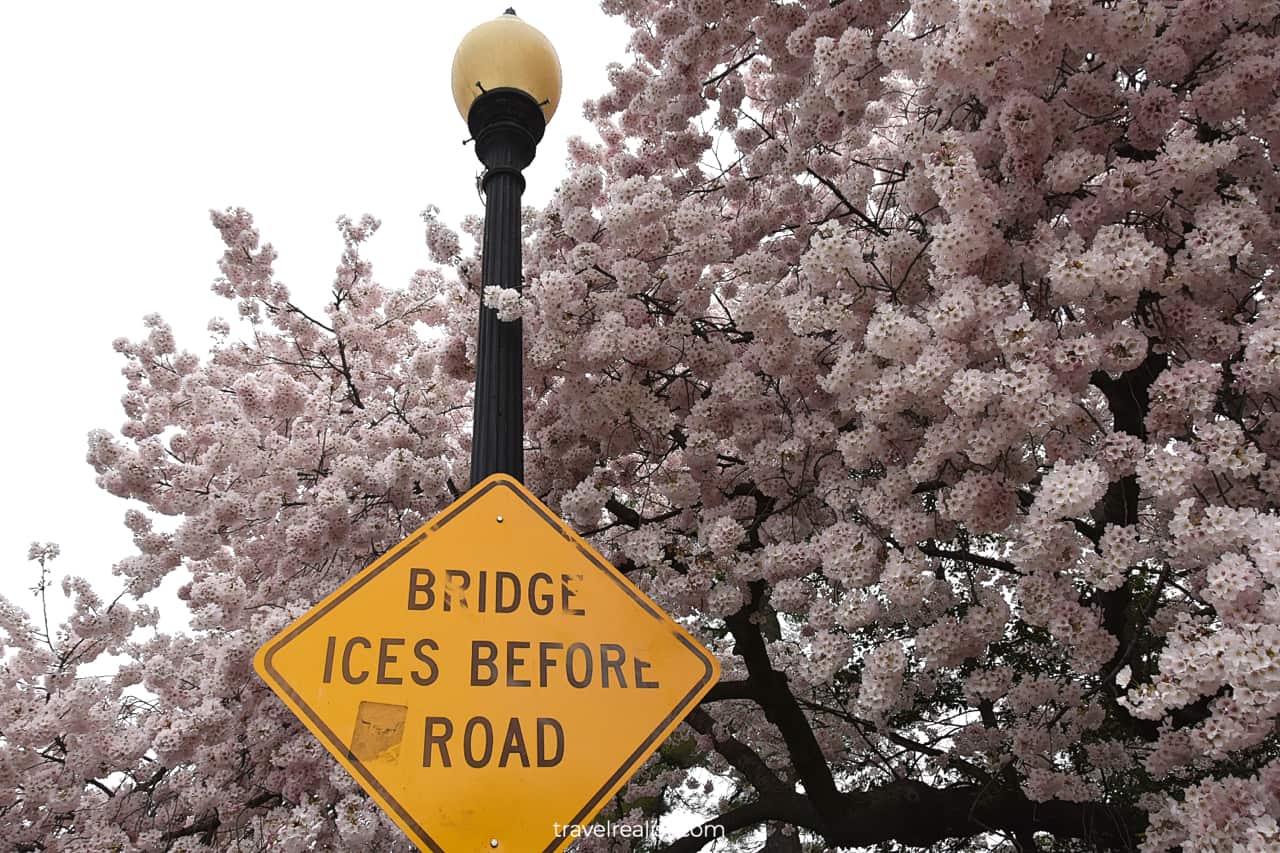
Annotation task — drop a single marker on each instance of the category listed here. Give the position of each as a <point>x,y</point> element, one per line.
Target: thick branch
<point>631,518</point>
<point>740,756</point>
<point>206,826</point>
<point>781,708</point>
<point>266,798</point>
<point>1129,398</point>
<point>777,841</point>
<point>741,689</point>
<point>787,808</point>
<point>968,557</point>
<point>893,812</point>
<point>913,814</point>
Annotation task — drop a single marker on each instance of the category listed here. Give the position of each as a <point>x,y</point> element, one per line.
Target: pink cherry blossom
<point>922,356</point>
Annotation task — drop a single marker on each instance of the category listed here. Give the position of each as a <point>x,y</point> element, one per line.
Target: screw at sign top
<point>510,11</point>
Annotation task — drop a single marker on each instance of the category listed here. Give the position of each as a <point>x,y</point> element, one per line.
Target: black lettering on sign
<point>347,674</point>
<point>611,657</point>
<point>541,603</point>
<point>478,742</point>
<point>570,669</point>
<point>433,672</point>
<point>494,591</point>
<point>456,582</point>
<point>513,661</point>
<point>421,593</point>
<point>329,646</point>
<point>514,745</point>
<point>510,584</point>
<point>484,653</point>
<point>566,593</point>
<point>545,724</point>
<point>545,661</point>
<point>385,657</point>
<point>468,742</point>
<point>441,740</point>
<point>640,667</point>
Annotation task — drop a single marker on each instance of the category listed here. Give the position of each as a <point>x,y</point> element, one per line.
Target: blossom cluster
<point>922,356</point>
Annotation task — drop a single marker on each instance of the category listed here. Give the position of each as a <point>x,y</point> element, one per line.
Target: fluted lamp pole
<point>506,83</point>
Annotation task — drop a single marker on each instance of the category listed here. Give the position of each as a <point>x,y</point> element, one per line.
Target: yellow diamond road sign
<point>491,681</point>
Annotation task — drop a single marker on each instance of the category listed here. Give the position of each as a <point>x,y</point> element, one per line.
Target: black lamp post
<point>506,83</point>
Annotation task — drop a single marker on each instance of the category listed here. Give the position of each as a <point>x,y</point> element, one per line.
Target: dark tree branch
<point>893,812</point>
<point>714,80</point>
<point>913,814</point>
<point>741,689</point>
<point>849,206</point>
<point>968,557</point>
<point>205,826</point>
<point>788,808</point>
<point>345,370</point>
<point>101,787</point>
<point>266,798</point>
<point>1129,398</point>
<point>741,757</point>
<point>633,519</point>
<point>778,841</point>
<point>780,706</point>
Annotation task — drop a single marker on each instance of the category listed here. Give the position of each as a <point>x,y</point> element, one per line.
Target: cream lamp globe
<point>506,53</point>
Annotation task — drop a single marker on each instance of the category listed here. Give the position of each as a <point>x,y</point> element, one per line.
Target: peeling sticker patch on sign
<point>379,731</point>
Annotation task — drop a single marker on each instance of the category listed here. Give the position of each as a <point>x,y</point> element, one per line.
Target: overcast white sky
<point>124,123</point>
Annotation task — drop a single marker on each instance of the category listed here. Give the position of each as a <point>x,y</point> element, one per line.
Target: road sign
<point>491,681</point>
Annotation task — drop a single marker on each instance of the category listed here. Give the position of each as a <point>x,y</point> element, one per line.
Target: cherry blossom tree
<point>923,354</point>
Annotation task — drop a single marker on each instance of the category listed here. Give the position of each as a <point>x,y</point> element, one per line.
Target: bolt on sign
<point>491,680</point>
